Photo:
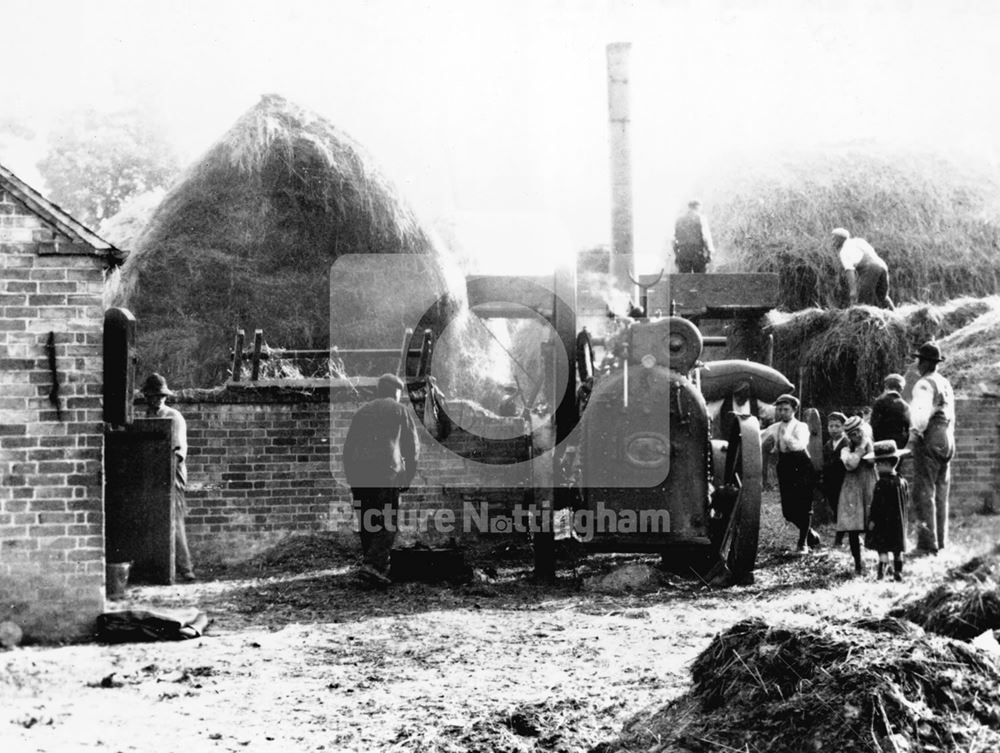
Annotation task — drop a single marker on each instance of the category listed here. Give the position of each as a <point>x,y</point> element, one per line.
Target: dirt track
<point>309,662</point>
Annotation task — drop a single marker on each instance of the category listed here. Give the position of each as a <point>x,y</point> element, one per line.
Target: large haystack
<point>838,357</point>
<point>936,223</point>
<point>876,685</point>
<point>246,239</point>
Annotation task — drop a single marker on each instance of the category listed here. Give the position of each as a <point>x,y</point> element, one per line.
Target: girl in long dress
<point>858,487</point>
<point>887,519</point>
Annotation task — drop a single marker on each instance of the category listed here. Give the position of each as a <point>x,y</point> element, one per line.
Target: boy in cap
<point>789,438</point>
<point>890,414</point>
<point>887,519</point>
<point>833,466</point>
<point>156,392</point>
<point>932,441</point>
<point>380,460</point>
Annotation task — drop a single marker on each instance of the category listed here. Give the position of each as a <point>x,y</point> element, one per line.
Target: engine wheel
<point>743,473</point>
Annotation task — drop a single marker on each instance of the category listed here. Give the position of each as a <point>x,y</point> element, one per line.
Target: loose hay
<point>778,688</point>
<point>842,355</point>
<point>964,606</point>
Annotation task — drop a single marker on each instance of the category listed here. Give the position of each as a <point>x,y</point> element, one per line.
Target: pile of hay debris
<point>873,685</point>
<point>964,606</point>
<point>840,356</point>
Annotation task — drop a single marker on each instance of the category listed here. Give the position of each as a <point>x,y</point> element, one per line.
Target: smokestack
<point>619,118</point>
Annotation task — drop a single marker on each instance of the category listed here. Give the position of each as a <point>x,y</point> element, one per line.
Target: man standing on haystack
<point>156,392</point>
<point>380,461</point>
<point>693,246</point>
<point>932,441</point>
<point>867,274</point>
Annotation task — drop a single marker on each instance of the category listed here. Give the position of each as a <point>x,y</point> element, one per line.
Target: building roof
<point>82,239</point>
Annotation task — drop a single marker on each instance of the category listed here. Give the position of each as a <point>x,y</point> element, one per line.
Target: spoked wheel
<point>741,482</point>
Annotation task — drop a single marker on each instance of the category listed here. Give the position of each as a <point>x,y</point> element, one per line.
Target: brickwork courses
<point>51,495</point>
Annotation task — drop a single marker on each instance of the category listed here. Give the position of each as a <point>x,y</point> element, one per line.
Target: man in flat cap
<point>867,274</point>
<point>380,460</point>
<point>693,246</point>
<point>156,392</point>
<point>789,439</point>
<point>932,441</point>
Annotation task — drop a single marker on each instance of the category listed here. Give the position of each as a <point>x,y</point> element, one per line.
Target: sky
<point>492,117</point>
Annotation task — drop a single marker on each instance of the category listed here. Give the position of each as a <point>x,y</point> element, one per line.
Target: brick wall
<point>51,494</point>
<point>976,468</point>
<point>264,463</point>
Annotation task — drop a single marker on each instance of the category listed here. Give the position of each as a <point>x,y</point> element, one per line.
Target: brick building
<point>52,278</point>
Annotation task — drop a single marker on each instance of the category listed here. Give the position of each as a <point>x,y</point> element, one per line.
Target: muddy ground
<point>297,658</point>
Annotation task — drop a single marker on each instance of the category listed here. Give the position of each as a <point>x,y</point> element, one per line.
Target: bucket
<point>117,579</point>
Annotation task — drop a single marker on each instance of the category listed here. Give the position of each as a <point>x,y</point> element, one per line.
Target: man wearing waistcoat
<point>932,442</point>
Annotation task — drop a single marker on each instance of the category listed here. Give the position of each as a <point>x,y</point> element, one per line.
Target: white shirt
<point>788,436</point>
<point>931,394</point>
<point>854,251</point>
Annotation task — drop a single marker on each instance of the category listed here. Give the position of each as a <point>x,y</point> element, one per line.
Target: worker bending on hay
<point>693,247</point>
<point>932,441</point>
<point>789,439</point>
<point>867,274</point>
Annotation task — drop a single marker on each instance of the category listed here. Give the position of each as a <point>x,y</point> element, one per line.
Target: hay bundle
<point>828,687</point>
<point>973,354</point>
<point>935,222</point>
<point>964,606</point>
<point>247,238</point>
<point>842,355</point>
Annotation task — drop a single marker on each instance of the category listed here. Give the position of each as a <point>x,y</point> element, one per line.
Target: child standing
<point>856,491</point>
<point>833,467</point>
<point>887,521</point>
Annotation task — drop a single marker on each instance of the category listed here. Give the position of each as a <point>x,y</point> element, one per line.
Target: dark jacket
<point>382,446</point>
<point>891,418</point>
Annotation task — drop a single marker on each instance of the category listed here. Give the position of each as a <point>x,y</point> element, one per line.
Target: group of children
<point>861,484</point>
<point>858,480</point>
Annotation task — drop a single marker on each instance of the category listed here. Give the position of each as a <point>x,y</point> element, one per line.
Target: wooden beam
<point>258,342</point>
<point>238,354</point>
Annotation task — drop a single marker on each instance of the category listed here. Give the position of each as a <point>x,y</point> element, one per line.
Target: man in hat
<point>932,441</point>
<point>156,392</point>
<point>693,246</point>
<point>789,439</point>
<point>380,460</point>
<point>867,274</point>
<point>890,417</point>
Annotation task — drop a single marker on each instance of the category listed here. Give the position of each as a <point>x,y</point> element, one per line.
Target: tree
<point>96,161</point>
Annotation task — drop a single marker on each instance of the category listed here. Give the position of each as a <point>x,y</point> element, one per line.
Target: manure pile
<point>872,685</point>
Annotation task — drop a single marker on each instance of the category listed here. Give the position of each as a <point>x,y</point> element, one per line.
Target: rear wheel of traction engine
<point>743,470</point>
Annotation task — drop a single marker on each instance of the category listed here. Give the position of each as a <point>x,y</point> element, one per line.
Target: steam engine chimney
<point>622,264</point>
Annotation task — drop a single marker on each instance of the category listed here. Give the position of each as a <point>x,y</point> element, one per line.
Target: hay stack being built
<point>838,357</point>
<point>247,238</point>
<point>935,221</point>
<point>874,685</point>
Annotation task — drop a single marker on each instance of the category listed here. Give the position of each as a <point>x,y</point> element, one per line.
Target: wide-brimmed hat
<point>787,400</point>
<point>854,422</point>
<point>841,233</point>
<point>884,449</point>
<point>929,352</point>
<point>156,385</point>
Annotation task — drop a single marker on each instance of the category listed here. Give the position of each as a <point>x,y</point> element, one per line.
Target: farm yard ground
<point>298,659</point>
